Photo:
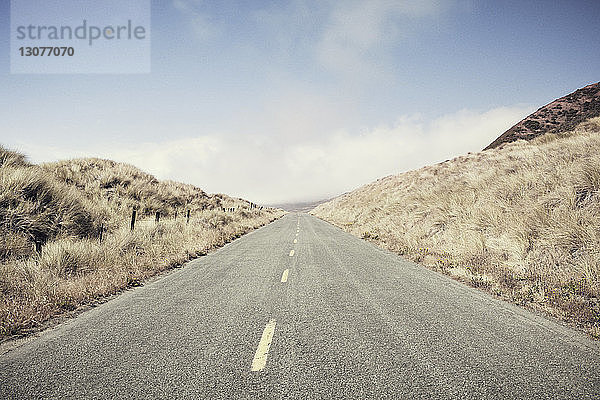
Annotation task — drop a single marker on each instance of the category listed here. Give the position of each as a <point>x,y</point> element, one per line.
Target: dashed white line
<point>284,276</point>
<point>262,352</point>
<point>295,240</point>
<point>291,253</point>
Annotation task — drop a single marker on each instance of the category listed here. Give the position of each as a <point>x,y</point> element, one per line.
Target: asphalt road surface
<point>300,309</point>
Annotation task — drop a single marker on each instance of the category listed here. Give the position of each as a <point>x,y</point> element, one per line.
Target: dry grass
<point>62,205</point>
<point>521,221</point>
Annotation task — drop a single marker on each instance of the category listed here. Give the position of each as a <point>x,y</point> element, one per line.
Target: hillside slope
<point>520,221</point>
<point>114,189</point>
<point>65,237</point>
<point>562,115</point>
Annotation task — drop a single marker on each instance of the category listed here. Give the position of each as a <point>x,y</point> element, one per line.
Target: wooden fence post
<point>157,219</point>
<point>188,217</point>
<point>175,214</point>
<point>101,232</point>
<point>133,219</point>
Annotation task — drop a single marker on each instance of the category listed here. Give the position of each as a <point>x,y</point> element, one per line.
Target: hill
<point>299,206</point>
<point>65,237</point>
<point>117,188</point>
<point>520,221</point>
<point>562,115</point>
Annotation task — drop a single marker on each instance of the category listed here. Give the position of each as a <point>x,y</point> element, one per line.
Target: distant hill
<point>562,115</point>
<point>299,207</point>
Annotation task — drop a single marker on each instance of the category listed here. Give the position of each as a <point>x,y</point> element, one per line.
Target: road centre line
<point>284,276</point>
<point>262,352</point>
<point>295,240</point>
<point>291,253</point>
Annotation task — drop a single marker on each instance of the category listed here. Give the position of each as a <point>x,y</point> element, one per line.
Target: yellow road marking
<point>295,240</point>
<point>285,276</point>
<point>291,253</point>
<point>260,358</point>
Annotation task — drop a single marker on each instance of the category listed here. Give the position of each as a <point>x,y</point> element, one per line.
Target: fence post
<point>175,214</point>
<point>133,219</point>
<point>101,232</point>
<point>157,217</point>
<point>188,217</point>
<point>38,247</point>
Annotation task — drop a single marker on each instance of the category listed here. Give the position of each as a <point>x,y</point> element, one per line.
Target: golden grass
<point>521,221</point>
<point>63,205</point>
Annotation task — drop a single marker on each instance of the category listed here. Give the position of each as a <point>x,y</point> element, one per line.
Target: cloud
<point>358,32</point>
<point>265,170</point>
<point>198,20</point>
<point>344,161</point>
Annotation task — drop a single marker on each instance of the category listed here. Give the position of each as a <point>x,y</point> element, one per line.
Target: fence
<point>157,218</point>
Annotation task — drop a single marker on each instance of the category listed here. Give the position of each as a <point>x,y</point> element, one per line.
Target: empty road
<point>301,310</point>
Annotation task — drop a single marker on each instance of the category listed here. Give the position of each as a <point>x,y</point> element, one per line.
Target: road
<point>347,320</point>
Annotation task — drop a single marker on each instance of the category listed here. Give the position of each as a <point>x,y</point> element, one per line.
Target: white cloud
<point>199,21</point>
<point>358,32</point>
<point>344,161</point>
<point>262,169</point>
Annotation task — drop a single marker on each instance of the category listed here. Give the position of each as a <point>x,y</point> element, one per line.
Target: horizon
<point>303,101</point>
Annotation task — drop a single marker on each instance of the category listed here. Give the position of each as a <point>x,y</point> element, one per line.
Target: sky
<point>285,101</point>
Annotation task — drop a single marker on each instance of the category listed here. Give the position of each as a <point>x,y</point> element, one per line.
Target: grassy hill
<point>521,221</point>
<point>65,237</point>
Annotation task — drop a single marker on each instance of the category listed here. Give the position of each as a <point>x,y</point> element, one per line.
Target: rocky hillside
<point>562,115</point>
